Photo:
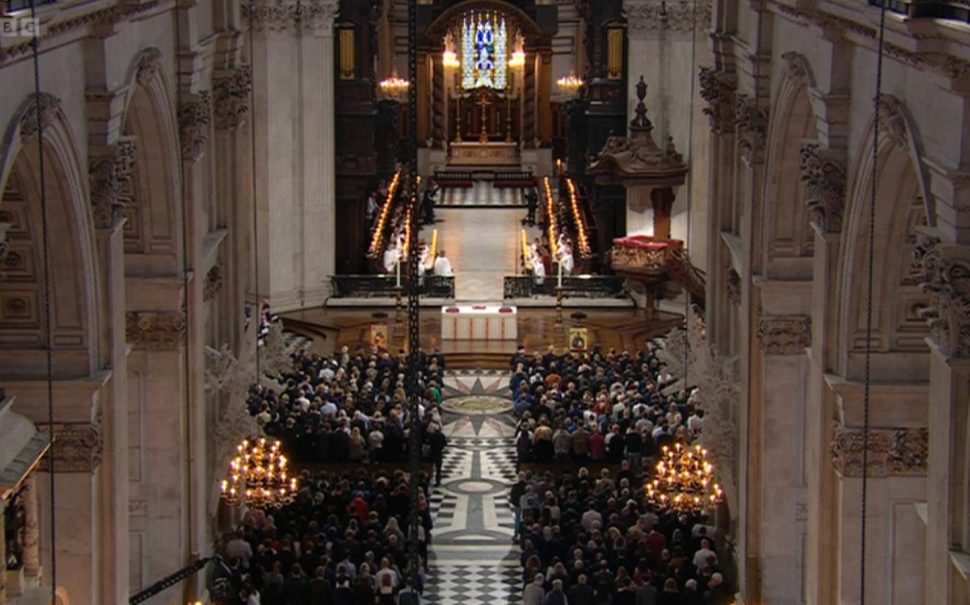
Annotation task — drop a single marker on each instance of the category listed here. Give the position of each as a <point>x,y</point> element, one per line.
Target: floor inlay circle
<point>475,487</point>
<point>477,405</point>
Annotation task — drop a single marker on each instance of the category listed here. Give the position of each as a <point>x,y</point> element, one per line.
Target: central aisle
<point>483,246</point>
<point>472,560</point>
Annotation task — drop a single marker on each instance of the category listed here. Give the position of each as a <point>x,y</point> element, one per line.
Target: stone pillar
<point>946,276</point>
<point>782,342</point>
<point>544,96</point>
<point>295,170</point>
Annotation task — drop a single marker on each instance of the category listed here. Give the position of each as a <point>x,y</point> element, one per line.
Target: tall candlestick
<point>560,272</point>
<point>397,271</point>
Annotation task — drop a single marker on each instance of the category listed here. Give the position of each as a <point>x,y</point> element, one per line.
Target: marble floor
<point>483,246</point>
<point>472,559</point>
<point>482,193</point>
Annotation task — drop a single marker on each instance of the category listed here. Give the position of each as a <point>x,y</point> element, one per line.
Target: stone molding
<point>719,89</point>
<point>194,125</point>
<point>647,16</point>
<point>230,97</point>
<point>894,452</point>
<point>4,247</point>
<point>946,277</point>
<point>149,65</point>
<point>824,178</point>
<point>155,330</point>
<point>751,123</point>
<point>77,448</point>
<point>784,334</point>
<point>733,287</point>
<point>30,123</point>
<point>213,283</point>
<point>110,168</point>
<point>277,16</point>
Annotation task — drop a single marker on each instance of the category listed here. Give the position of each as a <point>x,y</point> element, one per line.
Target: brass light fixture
<point>684,481</point>
<point>257,476</point>
<point>569,85</point>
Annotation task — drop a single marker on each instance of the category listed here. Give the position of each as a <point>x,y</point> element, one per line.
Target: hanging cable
<point>867,373</point>
<point>252,174</point>
<point>690,188</point>
<point>49,330</point>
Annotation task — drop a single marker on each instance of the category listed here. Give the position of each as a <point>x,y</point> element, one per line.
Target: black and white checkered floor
<point>472,559</point>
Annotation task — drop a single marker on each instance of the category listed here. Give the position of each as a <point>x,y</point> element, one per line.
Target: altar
<point>479,322</point>
<point>483,154</point>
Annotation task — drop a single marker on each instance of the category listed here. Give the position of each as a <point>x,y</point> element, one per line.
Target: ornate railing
<point>590,286</point>
<point>651,261</point>
<point>383,286</point>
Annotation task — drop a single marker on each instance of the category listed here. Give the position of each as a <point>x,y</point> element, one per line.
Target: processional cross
<point>483,102</point>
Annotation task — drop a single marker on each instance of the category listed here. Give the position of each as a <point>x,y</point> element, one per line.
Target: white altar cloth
<point>479,322</point>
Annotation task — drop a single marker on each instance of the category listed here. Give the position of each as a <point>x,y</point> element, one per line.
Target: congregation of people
<point>342,541</point>
<point>352,407</point>
<point>588,535</point>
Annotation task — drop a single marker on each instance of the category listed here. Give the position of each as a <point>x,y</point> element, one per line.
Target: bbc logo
<point>19,27</point>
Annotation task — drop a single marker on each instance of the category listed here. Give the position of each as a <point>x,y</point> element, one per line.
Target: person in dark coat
<point>581,593</point>
<point>436,447</point>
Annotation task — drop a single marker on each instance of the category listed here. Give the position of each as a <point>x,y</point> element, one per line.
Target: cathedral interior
<point>621,302</point>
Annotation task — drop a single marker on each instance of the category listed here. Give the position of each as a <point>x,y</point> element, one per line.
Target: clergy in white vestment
<point>442,266</point>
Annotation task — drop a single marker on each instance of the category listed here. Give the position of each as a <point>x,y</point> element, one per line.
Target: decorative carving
<point>149,65</point>
<point>890,453</point>
<point>892,120</point>
<point>717,385</point>
<point>317,16</point>
<point>213,283</point>
<point>751,122</point>
<point>110,168</point>
<point>37,118</point>
<point>784,334</point>
<point>679,16</point>
<point>824,179</point>
<point>230,97</point>
<point>270,15</point>
<point>4,248</point>
<point>194,125</point>
<point>78,448</point>
<point>155,330</point>
<point>719,88</point>
<point>946,277</point>
<point>733,287</point>
<point>797,68</point>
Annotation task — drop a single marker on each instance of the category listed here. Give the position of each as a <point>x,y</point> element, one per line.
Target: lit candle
<point>397,270</point>
<point>560,273</point>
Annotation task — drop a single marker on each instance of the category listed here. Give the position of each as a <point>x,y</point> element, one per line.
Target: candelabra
<point>257,476</point>
<point>570,85</point>
<point>684,481</point>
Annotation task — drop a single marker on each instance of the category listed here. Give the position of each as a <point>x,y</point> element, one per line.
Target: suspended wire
<point>690,189</point>
<point>252,174</point>
<point>867,375</point>
<point>49,335</point>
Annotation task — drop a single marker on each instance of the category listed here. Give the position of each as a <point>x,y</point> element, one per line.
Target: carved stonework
<point>317,16</point>
<point>733,287</point>
<point>30,124</point>
<point>751,122</point>
<point>890,452</point>
<point>194,125</point>
<point>149,64</point>
<point>4,248</point>
<point>784,334</point>
<point>946,277</point>
<point>824,180</point>
<point>78,448</point>
<point>110,169</point>
<point>153,330</point>
<point>796,67</point>
<point>230,97</point>
<point>213,283</point>
<point>646,16</point>
<point>892,120</point>
<point>719,88</point>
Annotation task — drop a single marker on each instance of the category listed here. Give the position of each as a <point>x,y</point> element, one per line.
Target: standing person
<point>534,593</point>
<point>515,496</point>
<point>442,266</point>
<point>436,445</point>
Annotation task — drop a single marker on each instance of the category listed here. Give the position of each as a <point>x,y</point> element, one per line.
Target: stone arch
<point>902,209</point>
<point>150,195</point>
<point>788,235</point>
<point>74,281</point>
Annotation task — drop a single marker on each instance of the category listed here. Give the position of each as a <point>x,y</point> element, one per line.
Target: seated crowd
<point>591,537</point>
<point>351,407</point>
<point>342,541</point>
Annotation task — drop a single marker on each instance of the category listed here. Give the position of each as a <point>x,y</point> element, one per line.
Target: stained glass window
<point>484,47</point>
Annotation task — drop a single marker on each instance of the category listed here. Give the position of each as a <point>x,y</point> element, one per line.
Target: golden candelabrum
<point>257,476</point>
<point>684,481</point>
<point>570,85</point>
<point>394,88</point>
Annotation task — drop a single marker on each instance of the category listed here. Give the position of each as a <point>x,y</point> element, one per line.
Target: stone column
<point>643,26</point>
<point>316,49</point>
<point>946,269</point>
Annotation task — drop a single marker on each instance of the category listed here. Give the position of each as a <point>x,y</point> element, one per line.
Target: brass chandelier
<point>684,481</point>
<point>257,476</point>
